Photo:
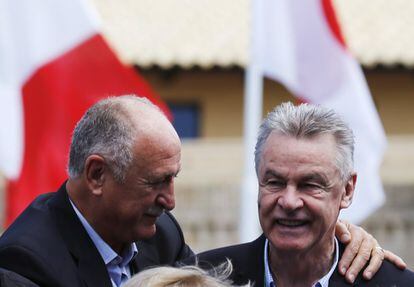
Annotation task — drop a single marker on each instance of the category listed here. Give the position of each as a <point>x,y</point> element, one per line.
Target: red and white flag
<point>299,44</point>
<point>54,64</point>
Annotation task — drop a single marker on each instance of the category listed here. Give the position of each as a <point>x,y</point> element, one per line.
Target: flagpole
<point>253,106</point>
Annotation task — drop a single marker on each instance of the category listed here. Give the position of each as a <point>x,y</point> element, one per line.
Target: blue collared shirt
<point>323,282</point>
<point>116,265</point>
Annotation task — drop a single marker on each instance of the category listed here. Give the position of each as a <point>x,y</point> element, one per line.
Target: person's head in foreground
<point>185,276</point>
<point>123,159</point>
<point>304,165</point>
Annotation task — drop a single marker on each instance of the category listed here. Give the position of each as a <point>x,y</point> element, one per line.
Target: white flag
<point>300,45</point>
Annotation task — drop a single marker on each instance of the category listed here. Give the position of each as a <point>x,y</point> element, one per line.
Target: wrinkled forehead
<point>282,148</point>
<point>281,140</point>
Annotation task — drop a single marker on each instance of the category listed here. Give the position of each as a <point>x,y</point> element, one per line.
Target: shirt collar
<point>268,275</point>
<point>323,282</point>
<point>109,256</point>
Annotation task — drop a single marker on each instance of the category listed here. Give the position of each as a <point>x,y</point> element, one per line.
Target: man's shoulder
<point>247,260</point>
<point>239,252</point>
<point>387,275</point>
<point>32,246</point>
<point>390,275</point>
<point>10,278</point>
<point>236,253</point>
<point>34,223</point>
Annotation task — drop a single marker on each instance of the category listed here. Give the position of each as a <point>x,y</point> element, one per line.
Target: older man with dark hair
<point>304,165</point>
<point>111,218</point>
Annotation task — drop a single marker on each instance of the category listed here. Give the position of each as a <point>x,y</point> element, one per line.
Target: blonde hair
<point>185,276</point>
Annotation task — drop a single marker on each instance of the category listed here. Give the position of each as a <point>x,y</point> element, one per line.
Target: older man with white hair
<point>304,165</point>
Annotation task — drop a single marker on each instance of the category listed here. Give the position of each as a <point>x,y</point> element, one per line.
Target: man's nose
<point>290,199</point>
<point>166,198</point>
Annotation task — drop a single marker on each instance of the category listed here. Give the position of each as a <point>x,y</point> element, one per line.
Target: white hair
<point>306,121</point>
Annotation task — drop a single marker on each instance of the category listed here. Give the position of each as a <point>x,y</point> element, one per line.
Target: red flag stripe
<point>332,20</point>
<point>54,99</point>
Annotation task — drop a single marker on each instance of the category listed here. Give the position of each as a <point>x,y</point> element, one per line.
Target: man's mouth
<point>154,211</point>
<point>292,222</point>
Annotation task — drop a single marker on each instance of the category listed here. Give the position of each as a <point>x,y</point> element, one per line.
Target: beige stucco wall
<point>219,94</point>
<point>394,95</point>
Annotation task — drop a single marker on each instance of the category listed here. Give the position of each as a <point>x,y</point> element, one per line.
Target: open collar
<point>92,269</point>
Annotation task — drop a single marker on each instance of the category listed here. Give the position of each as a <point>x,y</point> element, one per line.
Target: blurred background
<point>193,54</point>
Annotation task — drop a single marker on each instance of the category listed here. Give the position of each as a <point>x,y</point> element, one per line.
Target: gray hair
<point>106,130</point>
<point>306,121</point>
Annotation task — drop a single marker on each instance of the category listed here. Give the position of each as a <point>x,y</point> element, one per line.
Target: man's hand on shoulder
<point>361,248</point>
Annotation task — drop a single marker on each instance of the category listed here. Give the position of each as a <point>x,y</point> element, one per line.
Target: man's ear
<point>95,172</point>
<point>349,191</point>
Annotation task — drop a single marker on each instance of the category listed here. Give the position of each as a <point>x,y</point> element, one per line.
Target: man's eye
<point>310,185</point>
<point>155,182</point>
<point>275,183</point>
<point>161,181</point>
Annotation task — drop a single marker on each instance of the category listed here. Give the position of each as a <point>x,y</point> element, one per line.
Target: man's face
<point>300,191</point>
<point>132,207</point>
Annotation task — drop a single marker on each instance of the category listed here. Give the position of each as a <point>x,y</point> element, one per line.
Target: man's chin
<point>288,245</point>
<point>289,248</point>
<point>149,219</point>
<point>147,232</point>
